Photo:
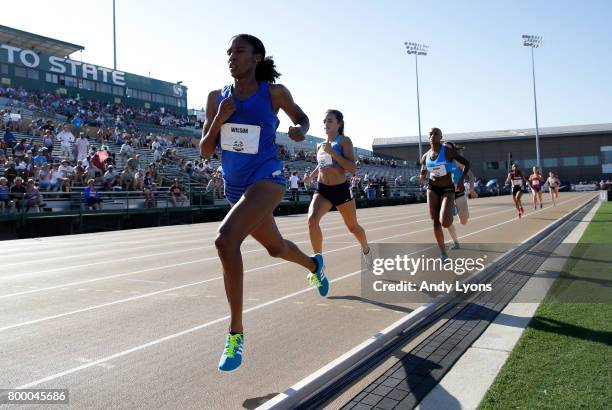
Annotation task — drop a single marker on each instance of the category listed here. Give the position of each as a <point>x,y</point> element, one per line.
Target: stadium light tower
<point>114,40</point>
<point>534,42</point>
<point>418,50</point>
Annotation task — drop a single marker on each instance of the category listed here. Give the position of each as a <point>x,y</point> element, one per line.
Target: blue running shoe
<point>318,277</point>
<point>455,211</point>
<point>443,257</point>
<point>232,354</point>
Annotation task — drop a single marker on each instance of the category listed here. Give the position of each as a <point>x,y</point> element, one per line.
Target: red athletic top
<point>535,180</point>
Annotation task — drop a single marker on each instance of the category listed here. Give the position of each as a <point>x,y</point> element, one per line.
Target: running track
<point>137,319</point>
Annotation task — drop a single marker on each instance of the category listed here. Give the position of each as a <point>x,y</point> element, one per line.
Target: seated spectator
<point>126,151</point>
<point>17,195</point>
<point>93,172</point>
<point>148,190</point>
<point>128,178</point>
<point>177,198</point>
<point>91,196</point>
<point>110,178</point>
<point>39,159</point>
<point>32,197</point>
<point>78,173</point>
<point>47,153</point>
<point>154,174</point>
<point>4,195</point>
<point>21,167</point>
<point>19,150</point>
<point>65,185</point>
<point>11,173</point>
<point>66,169</point>
<point>9,139</point>
<point>139,177</point>
<point>56,178</point>
<point>44,177</point>
<point>216,185</point>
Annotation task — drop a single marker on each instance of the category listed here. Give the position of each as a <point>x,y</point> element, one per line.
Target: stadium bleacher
<point>179,153</point>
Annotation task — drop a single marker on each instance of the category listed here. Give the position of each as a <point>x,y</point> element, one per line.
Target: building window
<point>527,163</point>
<point>117,90</point>
<point>550,162</point>
<point>86,85</point>
<point>33,74</point>
<point>21,72</point>
<point>51,78</point>
<point>171,101</point>
<point>144,95</point>
<point>68,81</point>
<point>158,98</point>
<point>492,165</point>
<point>569,161</point>
<point>590,160</point>
<point>3,68</point>
<point>606,156</point>
<point>128,92</point>
<point>103,88</point>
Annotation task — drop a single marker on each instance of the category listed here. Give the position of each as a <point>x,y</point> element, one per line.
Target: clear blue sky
<point>350,55</point>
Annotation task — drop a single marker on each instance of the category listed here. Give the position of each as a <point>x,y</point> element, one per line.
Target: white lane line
<point>243,253</point>
<point>198,283</point>
<point>116,302</point>
<point>347,307</point>
<point>331,225</point>
<point>170,337</point>
<point>187,331</point>
<point>373,309</point>
<point>146,281</point>
<point>175,251</point>
<point>322,304</point>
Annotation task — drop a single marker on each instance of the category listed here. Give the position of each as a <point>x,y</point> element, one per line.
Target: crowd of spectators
<point>91,112</point>
<point>311,156</point>
<point>31,167</point>
<point>74,155</point>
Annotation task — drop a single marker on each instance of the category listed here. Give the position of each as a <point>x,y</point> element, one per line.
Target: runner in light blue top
<point>242,120</point>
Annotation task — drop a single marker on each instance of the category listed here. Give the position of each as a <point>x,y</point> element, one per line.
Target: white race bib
<point>241,138</point>
<point>517,182</point>
<point>437,171</point>
<point>324,159</point>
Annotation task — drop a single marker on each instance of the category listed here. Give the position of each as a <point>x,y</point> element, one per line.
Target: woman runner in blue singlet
<point>242,120</point>
<point>335,157</point>
<point>440,188</point>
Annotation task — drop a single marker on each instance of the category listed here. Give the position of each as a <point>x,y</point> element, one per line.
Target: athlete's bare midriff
<point>332,176</point>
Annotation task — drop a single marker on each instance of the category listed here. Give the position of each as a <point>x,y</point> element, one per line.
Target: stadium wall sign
<point>30,59</point>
